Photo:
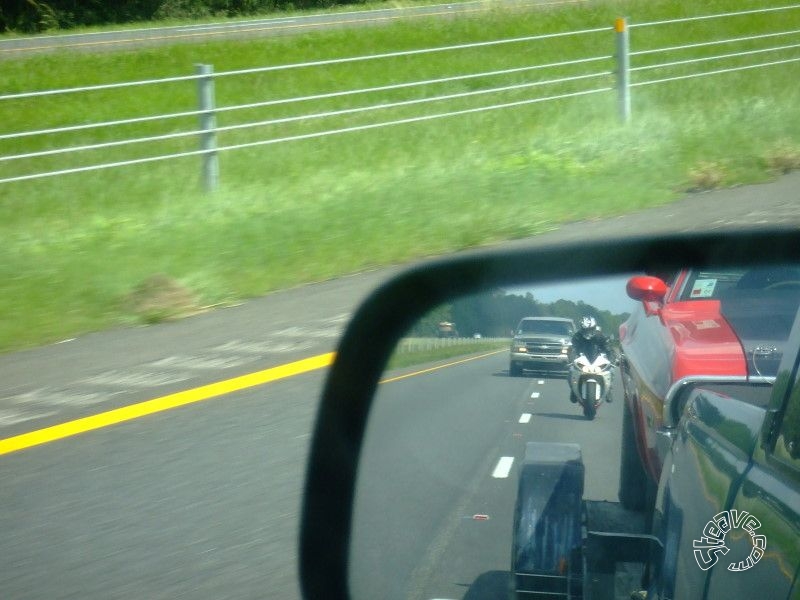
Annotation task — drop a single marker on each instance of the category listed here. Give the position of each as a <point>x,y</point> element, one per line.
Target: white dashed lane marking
<point>535,395</point>
<point>525,418</point>
<point>503,468</point>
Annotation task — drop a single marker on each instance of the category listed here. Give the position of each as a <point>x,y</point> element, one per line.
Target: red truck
<point>715,328</point>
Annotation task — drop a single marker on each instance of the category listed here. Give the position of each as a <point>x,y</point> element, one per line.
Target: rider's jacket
<point>591,346</point>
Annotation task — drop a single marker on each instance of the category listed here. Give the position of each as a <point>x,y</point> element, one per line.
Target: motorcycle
<point>590,382</point>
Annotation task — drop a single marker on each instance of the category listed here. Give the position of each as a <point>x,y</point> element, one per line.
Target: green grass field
<point>76,247</point>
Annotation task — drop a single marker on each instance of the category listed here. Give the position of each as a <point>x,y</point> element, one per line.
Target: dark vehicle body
<point>541,344</point>
<point>728,508</point>
<point>694,327</point>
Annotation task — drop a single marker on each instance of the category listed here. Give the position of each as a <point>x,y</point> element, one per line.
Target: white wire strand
<point>318,63</point>
<point>711,58</point>
<point>717,16</point>
<point>717,72</point>
<point>284,120</point>
<point>266,103</point>
<point>410,84</point>
<point>395,86</point>
<point>104,86</point>
<point>100,125</point>
<point>307,136</point>
<point>714,43</point>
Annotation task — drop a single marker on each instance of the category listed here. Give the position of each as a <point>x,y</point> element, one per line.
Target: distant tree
<point>27,16</point>
<point>42,15</point>
<point>428,326</point>
<point>30,16</point>
<point>496,314</point>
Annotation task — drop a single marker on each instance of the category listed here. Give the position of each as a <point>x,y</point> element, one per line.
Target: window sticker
<point>703,288</point>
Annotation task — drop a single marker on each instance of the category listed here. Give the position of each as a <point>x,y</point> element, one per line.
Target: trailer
<point>566,547</point>
<point>446,329</point>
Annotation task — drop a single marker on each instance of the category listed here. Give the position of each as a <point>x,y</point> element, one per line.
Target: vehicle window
<point>755,394</point>
<point>787,447</point>
<point>703,285</point>
<point>546,327</point>
<point>718,284</point>
<point>760,316</point>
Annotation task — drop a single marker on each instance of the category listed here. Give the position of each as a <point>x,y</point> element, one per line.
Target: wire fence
<point>572,77</point>
<point>717,58</point>
<point>412,345</point>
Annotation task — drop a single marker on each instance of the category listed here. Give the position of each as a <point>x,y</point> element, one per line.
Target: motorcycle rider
<point>590,342</point>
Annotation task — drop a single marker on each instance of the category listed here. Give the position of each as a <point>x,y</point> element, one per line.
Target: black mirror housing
<point>331,476</point>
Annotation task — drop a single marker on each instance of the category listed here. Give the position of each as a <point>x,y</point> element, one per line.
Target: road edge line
<point>163,403</point>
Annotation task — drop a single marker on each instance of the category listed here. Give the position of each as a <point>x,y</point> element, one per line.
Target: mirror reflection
<point>517,431</point>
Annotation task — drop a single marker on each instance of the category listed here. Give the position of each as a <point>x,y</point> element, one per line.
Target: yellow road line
<point>149,407</point>
<point>206,392</point>
<point>450,364</point>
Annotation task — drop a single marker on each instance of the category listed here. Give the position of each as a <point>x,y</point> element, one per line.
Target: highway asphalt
<point>15,47</point>
<point>438,480</point>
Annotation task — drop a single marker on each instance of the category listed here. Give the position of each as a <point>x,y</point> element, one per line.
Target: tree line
<point>30,16</point>
<point>496,314</point>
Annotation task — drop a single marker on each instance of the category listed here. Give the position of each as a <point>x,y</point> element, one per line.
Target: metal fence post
<point>623,69</point>
<point>208,127</point>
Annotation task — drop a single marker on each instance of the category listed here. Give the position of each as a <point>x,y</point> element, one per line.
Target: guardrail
<point>612,72</point>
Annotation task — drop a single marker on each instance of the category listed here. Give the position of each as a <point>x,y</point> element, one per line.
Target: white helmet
<point>588,325</point>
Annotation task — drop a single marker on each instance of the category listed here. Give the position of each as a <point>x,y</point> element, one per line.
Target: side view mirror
<point>345,448</point>
<point>648,290</point>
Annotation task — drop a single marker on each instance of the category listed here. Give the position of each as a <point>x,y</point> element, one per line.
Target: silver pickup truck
<point>541,344</point>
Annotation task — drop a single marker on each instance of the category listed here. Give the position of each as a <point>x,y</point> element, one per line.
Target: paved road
<point>439,479</point>
<point>203,501</point>
<point>196,503</point>
<point>120,39</point>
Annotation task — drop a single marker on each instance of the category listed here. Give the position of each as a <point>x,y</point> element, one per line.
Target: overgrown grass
<point>74,247</point>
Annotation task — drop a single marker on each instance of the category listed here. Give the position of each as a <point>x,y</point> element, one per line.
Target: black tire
<point>514,370</point>
<point>591,391</point>
<point>633,480</point>
<point>589,411</point>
